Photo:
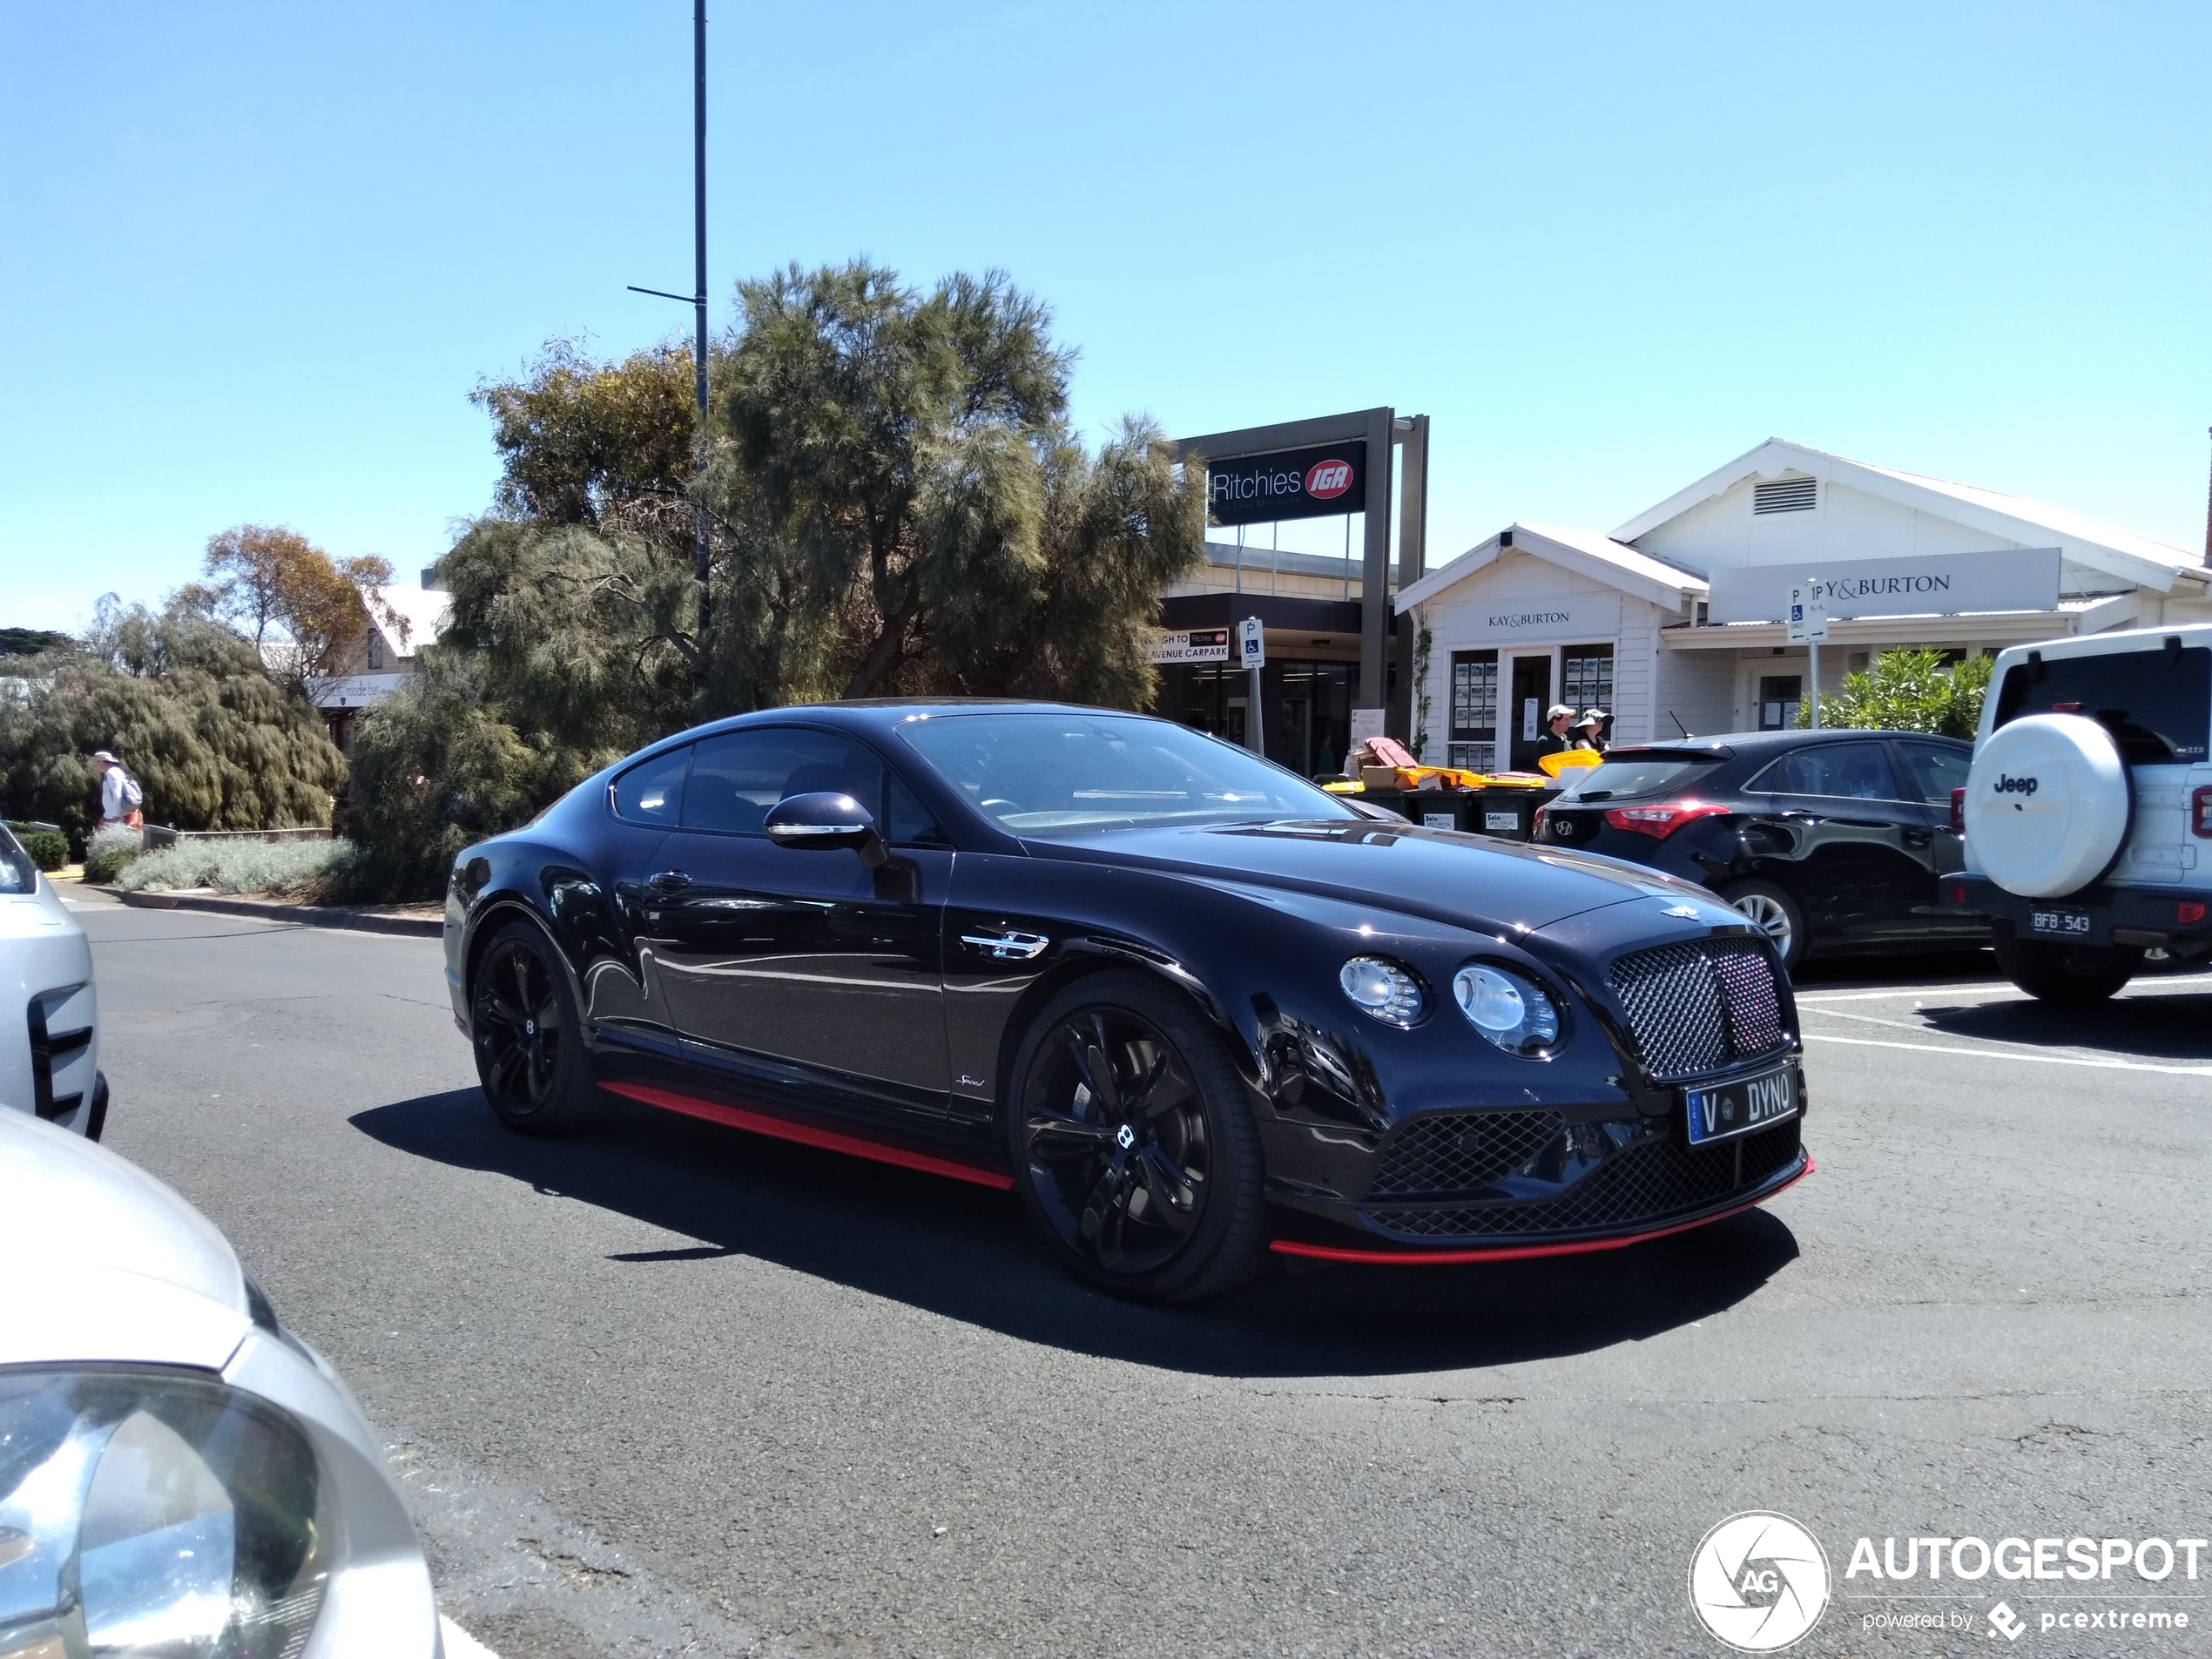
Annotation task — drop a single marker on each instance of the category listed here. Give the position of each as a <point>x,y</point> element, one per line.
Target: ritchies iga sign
<point>1289,484</point>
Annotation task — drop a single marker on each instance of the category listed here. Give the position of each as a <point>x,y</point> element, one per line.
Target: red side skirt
<point>785,1128</point>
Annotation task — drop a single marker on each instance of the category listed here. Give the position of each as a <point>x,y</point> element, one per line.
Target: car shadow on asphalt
<point>2172,1025</point>
<point>967,1253</point>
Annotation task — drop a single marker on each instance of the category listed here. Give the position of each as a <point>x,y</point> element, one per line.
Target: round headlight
<point>155,1513</point>
<point>1510,1009</point>
<point>1383,990</point>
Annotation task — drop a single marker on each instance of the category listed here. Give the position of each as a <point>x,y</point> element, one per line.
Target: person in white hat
<point>121,796</point>
<point>1559,730</point>
<point>1589,730</point>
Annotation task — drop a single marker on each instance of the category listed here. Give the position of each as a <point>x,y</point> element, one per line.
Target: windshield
<point>1045,774</point>
<point>1625,776</point>
<point>18,873</point>
<point>2156,704</point>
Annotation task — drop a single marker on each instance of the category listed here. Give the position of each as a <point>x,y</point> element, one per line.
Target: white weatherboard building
<point>1673,622</point>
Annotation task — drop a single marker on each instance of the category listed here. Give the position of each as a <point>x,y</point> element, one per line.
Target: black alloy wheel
<point>2068,975</point>
<point>529,1051</point>
<point>1132,1144</point>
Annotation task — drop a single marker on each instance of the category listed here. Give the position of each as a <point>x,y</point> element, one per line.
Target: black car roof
<point>876,714</point>
<point>1753,743</point>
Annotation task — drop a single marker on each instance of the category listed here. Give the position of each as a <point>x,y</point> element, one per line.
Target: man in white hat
<point>121,796</point>
<point>1559,730</point>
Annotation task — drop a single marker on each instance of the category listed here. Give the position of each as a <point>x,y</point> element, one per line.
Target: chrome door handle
<point>1012,946</point>
<point>672,881</point>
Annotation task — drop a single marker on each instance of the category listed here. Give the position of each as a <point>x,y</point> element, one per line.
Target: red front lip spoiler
<point>1517,1252</point>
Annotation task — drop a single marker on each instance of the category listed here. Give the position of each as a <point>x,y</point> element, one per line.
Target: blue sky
<point>253,257</point>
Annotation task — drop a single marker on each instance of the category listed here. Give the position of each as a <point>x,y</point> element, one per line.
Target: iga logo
<point>1758,1582</point>
<point>1327,480</point>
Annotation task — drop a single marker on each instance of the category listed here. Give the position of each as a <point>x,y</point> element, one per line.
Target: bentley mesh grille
<point>1701,1005</point>
<point>1455,1153</point>
<point>1662,1178</point>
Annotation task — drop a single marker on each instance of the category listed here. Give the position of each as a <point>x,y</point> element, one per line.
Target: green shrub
<point>1908,690</point>
<point>48,849</point>
<point>299,870</point>
<point>109,851</point>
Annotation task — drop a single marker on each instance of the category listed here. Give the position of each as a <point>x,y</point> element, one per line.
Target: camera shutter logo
<point>1758,1582</point>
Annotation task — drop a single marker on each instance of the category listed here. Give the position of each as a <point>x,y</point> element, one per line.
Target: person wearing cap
<point>121,796</point>
<point>1589,730</point>
<point>1559,736</point>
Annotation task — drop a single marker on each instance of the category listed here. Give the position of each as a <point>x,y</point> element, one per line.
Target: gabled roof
<point>1590,553</point>
<point>424,610</point>
<point>2080,541</point>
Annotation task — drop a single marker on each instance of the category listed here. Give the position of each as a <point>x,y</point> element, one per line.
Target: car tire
<point>1132,1143</point>
<point>528,1037</point>
<point>1775,912</point>
<point>2073,975</point>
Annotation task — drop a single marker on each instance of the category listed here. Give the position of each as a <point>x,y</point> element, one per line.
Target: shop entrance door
<point>1532,695</point>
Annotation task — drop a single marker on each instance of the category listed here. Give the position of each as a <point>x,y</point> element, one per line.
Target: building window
<point>1586,678</point>
<point>1473,742</point>
<point>375,652</point>
<point>1779,694</point>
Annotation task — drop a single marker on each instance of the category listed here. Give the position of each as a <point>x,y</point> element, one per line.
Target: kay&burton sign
<point>1935,584</point>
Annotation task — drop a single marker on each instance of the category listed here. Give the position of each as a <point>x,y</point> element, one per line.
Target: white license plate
<point>2059,924</point>
<point>1739,1108</point>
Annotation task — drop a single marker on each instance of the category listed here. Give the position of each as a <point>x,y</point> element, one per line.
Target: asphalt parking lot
<point>669,1389</point>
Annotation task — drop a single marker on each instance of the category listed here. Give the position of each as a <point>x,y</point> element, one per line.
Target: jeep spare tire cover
<point>2047,804</point>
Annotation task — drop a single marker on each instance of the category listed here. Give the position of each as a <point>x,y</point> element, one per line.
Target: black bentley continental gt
<point>1189,1007</point>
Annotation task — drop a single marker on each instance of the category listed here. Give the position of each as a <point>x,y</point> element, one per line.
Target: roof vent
<point>1784,495</point>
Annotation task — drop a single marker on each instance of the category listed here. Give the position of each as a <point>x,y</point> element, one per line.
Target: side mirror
<point>824,822</point>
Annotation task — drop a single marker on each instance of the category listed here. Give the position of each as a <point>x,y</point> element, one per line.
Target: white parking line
<point>2011,991</point>
<point>2010,1054</point>
<point>460,1644</point>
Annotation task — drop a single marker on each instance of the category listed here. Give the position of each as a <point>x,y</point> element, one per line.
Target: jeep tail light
<point>1956,894</point>
<point>2201,812</point>
<point>1660,822</point>
<point>2188,911</point>
<point>1957,812</point>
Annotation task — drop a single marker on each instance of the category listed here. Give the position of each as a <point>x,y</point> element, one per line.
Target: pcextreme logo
<point>1758,1582</point>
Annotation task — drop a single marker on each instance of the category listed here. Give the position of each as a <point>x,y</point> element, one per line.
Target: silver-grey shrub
<point>285,869</point>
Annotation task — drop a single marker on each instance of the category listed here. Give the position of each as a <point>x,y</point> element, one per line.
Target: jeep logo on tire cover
<point>2006,784</point>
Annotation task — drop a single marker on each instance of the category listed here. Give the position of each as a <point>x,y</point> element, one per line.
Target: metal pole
<point>1813,645</point>
<point>698,290</point>
<point>1258,744</point>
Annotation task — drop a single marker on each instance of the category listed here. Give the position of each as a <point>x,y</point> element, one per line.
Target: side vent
<point>1784,495</point>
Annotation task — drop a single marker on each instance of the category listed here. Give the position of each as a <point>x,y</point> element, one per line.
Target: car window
<point>18,873</point>
<point>1936,769</point>
<point>907,822</point>
<point>1039,773</point>
<point>653,793</point>
<point>2157,703</point>
<point>1630,777</point>
<point>1843,771</point>
<point>737,777</point>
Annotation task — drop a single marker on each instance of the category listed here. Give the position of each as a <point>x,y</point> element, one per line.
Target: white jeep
<point>2088,811</point>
